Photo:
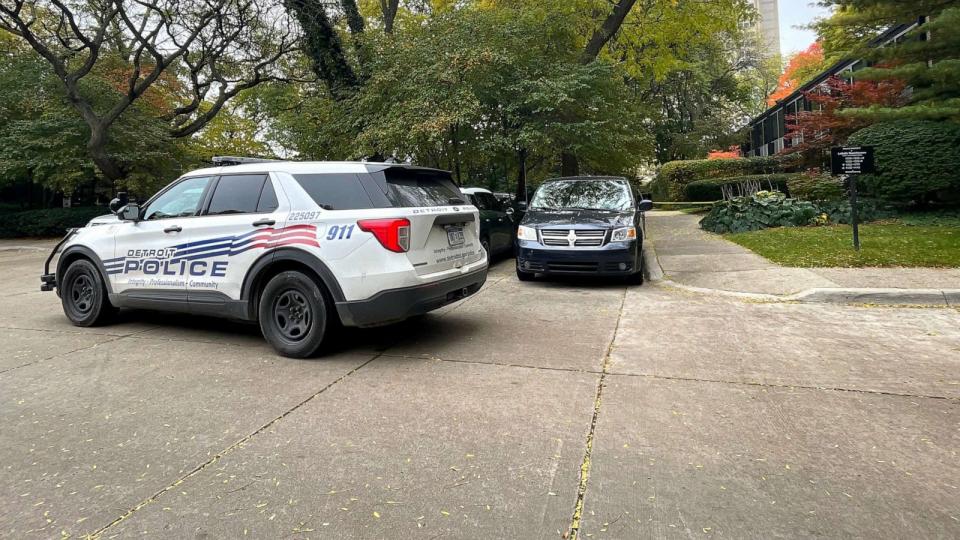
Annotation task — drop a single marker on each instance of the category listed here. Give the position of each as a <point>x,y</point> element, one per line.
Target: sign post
<point>850,161</point>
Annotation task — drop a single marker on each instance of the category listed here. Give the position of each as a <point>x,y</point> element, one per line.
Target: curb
<point>888,296</point>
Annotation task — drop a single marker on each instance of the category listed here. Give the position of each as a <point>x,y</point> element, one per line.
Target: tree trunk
<point>606,31</point>
<point>522,175</point>
<point>97,148</point>
<point>389,9</point>
<point>569,165</point>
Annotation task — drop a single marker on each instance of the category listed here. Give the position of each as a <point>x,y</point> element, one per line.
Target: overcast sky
<point>794,13</point>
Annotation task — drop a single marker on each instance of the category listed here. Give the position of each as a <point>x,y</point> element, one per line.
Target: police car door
<point>144,262</point>
<point>243,219</point>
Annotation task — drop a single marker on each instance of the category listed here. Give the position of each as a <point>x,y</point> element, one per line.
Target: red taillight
<point>393,233</point>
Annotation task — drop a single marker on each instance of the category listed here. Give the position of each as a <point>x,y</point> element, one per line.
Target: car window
<point>268,199</point>
<point>477,200</point>
<point>183,199</point>
<point>489,201</point>
<point>406,187</point>
<point>335,191</point>
<point>594,194</point>
<point>236,194</point>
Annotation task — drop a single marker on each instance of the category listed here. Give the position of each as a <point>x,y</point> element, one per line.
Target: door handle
<point>261,222</point>
<point>173,229</point>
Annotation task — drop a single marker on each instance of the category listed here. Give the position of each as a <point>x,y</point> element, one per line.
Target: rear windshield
<point>406,188</point>
<point>335,191</point>
<point>596,194</point>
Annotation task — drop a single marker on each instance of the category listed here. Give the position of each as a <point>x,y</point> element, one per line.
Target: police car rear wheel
<point>293,314</point>
<point>84,296</point>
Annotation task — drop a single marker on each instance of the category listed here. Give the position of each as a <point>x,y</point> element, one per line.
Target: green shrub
<point>49,222</point>
<point>819,187</point>
<point>917,160</point>
<point>712,189</point>
<point>838,211</point>
<point>761,211</point>
<point>672,176</point>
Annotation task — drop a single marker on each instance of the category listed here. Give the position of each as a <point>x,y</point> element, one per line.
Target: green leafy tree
<point>927,59</point>
<point>196,54</point>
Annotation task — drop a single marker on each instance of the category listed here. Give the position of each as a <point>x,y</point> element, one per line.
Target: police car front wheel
<point>84,296</point>
<point>293,314</point>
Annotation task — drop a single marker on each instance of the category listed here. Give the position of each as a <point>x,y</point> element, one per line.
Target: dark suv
<point>582,225</point>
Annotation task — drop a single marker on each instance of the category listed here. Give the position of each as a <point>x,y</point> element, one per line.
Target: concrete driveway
<point>531,410</point>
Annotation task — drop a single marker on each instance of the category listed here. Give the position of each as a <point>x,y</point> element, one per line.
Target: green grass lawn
<point>882,244</point>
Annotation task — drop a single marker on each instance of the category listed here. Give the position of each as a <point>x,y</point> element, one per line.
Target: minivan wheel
<point>84,295</point>
<point>293,314</point>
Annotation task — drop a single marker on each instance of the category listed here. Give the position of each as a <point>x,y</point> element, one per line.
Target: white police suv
<point>297,246</point>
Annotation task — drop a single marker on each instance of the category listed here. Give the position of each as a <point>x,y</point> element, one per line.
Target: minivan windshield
<point>593,194</point>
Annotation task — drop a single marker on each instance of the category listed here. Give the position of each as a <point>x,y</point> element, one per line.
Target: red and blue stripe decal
<point>228,246</point>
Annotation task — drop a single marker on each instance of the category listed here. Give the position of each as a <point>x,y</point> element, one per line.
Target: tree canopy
<point>494,90</point>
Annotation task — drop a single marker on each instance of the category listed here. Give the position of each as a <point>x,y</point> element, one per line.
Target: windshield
<point>608,194</point>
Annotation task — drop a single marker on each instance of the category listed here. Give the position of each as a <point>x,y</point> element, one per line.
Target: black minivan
<point>582,225</point>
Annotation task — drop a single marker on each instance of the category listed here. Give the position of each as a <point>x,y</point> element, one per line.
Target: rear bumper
<point>395,305</point>
<point>616,259</point>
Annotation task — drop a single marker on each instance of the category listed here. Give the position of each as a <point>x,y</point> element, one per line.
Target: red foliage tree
<point>732,152</point>
<point>802,66</point>
<point>817,130</point>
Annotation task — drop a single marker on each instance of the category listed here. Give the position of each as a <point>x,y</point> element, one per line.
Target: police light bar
<point>225,161</point>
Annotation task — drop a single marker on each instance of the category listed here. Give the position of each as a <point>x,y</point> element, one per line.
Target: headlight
<point>624,234</point>
<point>527,233</point>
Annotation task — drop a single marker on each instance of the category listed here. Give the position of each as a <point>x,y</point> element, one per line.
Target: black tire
<point>293,314</point>
<point>637,278</point>
<point>525,276</point>
<point>84,295</point>
<point>485,244</point>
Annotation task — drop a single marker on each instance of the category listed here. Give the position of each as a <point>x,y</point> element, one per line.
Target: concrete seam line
<point>574,529</point>
<point>787,386</point>
<point>97,534</point>
<point>114,338</point>
<point>498,364</point>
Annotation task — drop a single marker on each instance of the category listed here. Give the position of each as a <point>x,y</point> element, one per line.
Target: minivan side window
<point>181,200</point>
<point>236,194</point>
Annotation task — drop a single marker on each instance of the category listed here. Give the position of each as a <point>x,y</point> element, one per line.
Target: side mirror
<point>522,206</point>
<point>130,212</point>
<point>119,202</point>
<point>645,205</point>
<point>509,211</point>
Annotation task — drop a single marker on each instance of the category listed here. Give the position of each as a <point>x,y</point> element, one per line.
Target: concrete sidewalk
<point>693,258</point>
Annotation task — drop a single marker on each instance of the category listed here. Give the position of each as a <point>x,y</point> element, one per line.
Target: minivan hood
<point>583,218</point>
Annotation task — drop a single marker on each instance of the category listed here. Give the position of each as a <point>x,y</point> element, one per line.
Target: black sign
<point>851,159</point>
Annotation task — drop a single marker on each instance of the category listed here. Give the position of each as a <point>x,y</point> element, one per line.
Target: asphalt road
<point>530,408</point>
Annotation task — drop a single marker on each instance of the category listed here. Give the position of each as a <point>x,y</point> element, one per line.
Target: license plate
<point>455,236</point>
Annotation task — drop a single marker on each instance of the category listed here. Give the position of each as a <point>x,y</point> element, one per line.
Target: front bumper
<point>396,305</point>
<point>614,259</point>
<point>48,280</point>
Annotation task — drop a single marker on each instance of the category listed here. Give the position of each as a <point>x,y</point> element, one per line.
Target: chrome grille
<point>573,237</point>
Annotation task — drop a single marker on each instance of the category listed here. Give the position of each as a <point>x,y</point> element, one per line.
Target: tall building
<point>769,25</point>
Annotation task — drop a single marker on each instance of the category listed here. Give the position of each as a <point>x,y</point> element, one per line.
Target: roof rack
<point>226,161</point>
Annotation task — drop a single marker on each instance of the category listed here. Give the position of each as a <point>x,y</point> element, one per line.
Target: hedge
<point>816,187</point>
<point>917,160</point>
<point>712,189</point>
<point>49,222</point>
<point>669,182</point>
